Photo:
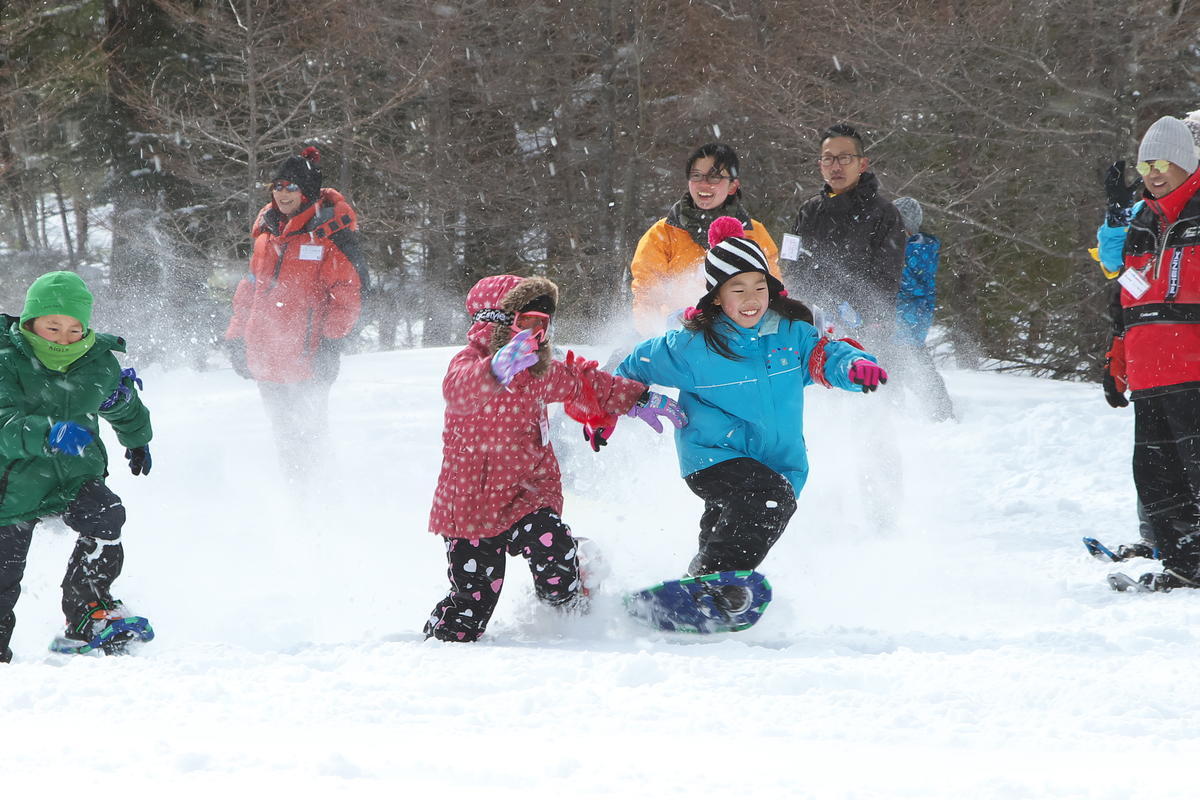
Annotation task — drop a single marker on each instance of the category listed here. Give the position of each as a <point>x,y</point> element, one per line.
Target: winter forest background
<point>478,137</point>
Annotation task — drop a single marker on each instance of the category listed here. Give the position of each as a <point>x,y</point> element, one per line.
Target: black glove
<point>327,361</point>
<point>1114,381</point>
<point>596,437</point>
<point>1115,398</point>
<point>237,357</point>
<point>139,459</point>
<point>1120,197</point>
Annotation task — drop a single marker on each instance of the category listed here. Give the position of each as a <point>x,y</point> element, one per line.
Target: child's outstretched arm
<point>837,363</point>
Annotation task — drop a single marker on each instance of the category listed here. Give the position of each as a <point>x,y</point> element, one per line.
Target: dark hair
<point>710,312</point>
<point>723,157</point>
<point>843,130</point>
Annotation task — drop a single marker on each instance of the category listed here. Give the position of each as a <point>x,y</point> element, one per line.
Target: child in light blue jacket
<point>741,364</point>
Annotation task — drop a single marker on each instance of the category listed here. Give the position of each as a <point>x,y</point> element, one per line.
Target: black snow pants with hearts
<point>476,572</point>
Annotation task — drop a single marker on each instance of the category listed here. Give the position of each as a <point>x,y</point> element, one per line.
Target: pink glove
<point>519,354</point>
<point>653,405</point>
<point>868,375</point>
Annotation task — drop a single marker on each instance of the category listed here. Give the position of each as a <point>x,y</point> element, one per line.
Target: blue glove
<point>139,459</point>
<point>69,438</point>
<point>519,354</point>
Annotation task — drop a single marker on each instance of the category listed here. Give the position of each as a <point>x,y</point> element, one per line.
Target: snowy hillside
<point>969,650</point>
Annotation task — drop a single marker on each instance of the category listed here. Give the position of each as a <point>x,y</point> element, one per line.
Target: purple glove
<point>868,375</point>
<point>519,354</point>
<point>653,405</point>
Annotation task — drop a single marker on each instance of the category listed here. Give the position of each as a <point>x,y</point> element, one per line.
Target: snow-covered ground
<point>968,649</point>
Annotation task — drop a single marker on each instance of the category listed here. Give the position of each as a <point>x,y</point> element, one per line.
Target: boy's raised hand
<point>869,375</point>
<point>68,438</point>
<point>653,405</point>
<point>519,354</point>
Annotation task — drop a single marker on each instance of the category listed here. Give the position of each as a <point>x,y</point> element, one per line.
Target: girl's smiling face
<point>709,187</point>
<point>744,298</point>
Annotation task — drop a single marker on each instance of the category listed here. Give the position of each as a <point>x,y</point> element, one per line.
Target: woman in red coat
<point>500,489</point>
<point>297,305</point>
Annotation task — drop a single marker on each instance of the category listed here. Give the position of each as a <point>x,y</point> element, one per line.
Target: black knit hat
<point>303,170</point>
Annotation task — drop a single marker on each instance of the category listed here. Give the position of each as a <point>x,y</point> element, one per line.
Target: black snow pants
<point>476,571</point>
<point>747,505</point>
<point>1166,471</point>
<point>97,515</point>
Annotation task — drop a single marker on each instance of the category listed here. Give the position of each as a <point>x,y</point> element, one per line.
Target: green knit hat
<point>58,293</point>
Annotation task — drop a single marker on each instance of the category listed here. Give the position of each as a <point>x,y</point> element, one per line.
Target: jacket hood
<point>509,294</point>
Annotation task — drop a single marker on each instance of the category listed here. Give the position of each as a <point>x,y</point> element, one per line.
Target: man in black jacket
<point>845,252</point>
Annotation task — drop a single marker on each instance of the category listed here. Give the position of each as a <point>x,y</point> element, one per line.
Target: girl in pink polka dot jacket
<point>500,490</point>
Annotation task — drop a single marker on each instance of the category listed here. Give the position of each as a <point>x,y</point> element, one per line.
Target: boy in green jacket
<point>57,377</point>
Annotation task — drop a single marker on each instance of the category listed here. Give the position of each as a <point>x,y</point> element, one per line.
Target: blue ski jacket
<point>918,289</point>
<point>752,408</point>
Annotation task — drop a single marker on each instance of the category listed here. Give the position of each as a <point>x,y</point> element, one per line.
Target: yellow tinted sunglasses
<point>1160,164</point>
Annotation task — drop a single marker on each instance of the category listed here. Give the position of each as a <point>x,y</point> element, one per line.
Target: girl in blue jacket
<point>741,363</point>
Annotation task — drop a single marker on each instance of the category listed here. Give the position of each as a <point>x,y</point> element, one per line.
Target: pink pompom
<point>312,154</point>
<point>691,312</point>
<point>722,228</point>
<point>783,293</point>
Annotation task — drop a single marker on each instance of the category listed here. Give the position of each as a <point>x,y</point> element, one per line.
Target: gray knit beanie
<point>911,214</point>
<point>1171,139</point>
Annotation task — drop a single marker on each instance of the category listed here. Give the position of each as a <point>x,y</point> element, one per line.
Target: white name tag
<point>1134,283</point>
<point>545,427</point>
<point>791,247</point>
<point>311,252</point>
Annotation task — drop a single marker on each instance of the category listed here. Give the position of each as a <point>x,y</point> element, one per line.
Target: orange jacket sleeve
<point>343,295</point>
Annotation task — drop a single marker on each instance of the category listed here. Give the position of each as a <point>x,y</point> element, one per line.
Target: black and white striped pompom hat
<point>731,253</point>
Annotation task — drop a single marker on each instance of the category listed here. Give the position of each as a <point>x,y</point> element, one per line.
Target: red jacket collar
<point>1170,207</point>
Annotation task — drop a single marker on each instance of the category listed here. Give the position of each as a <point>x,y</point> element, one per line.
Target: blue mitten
<point>69,438</point>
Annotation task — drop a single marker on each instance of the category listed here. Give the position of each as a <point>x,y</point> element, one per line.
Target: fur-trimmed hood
<point>509,294</point>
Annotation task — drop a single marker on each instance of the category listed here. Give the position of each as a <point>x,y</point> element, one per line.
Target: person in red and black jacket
<point>301,300</point>
<point>1155,352</point>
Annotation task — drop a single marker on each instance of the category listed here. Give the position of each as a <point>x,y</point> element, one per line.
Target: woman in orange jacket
<point>667,267</point>
<point>298,304</point>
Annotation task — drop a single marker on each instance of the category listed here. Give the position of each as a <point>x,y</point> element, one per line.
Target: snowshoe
<point>103,626</point>
<point>1163,581</point>
<point>1123,552</point>
<point>722,602</point>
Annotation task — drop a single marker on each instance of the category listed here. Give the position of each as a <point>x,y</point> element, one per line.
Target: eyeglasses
<point>1145,167</point>
<point>284,186</point>
<point>536,321</point>
<point>844,159</point>
<point>710,178</point>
